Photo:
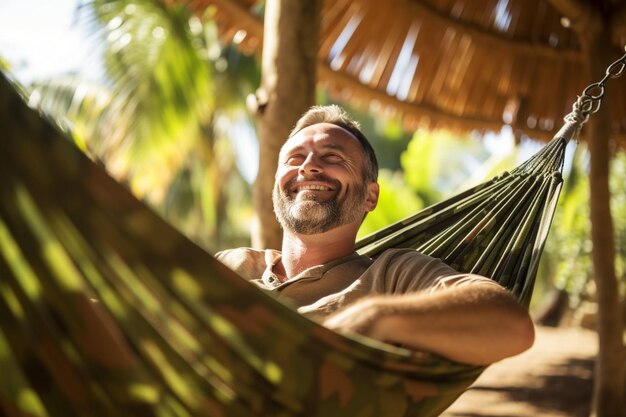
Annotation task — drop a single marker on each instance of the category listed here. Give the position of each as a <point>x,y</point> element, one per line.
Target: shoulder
<point>238,255</point>
<point>410,262</point>
<point>408,257</point>
<point>247,262</point>
<point>409,270</point>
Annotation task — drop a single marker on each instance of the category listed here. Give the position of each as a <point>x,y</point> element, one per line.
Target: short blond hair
<point>337,116</point>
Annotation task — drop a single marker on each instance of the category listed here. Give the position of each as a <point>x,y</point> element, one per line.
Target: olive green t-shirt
<point>320,290</point>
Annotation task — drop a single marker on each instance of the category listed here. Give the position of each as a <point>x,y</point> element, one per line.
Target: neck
<point>300,252</point>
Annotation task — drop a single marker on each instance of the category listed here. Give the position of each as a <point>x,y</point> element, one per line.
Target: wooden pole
<point>288,77</point>
<point>609,376</point>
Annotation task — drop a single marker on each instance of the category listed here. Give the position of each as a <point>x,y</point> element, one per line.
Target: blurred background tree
<point>162,116</point>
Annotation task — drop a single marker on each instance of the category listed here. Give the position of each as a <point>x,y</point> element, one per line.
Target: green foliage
<point>396,201</point>
<point>567,256</point>
<point>201,202</point>
<point>617,182</point>
<point>161,83</point>
<point>4,64</point>
<point>159,120</point>
<point>438,163</point>
<point>433,164</point>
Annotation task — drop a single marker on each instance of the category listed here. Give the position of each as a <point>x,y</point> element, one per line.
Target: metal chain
<point>591,99</point>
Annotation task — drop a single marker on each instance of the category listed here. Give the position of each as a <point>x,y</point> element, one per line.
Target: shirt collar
<point>272,257</point>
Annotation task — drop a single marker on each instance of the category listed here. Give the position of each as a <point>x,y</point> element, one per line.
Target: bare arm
<point>474,324</point>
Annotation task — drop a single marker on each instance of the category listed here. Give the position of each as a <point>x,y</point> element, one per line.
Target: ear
<point>372,196</point>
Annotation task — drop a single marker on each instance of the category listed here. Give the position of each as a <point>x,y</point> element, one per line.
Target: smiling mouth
<point>313,188</point>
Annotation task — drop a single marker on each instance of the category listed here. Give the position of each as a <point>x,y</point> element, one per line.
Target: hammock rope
<point>496,229</point>
<point>105,309</point>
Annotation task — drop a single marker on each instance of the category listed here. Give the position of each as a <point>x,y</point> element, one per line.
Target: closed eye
<point>295,159</point>
<point>333,158</point>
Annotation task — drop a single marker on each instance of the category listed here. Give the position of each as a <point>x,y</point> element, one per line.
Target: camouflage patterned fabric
<point>106,310</point>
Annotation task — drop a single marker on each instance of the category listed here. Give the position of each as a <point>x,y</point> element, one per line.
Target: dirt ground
<point>552,379</point>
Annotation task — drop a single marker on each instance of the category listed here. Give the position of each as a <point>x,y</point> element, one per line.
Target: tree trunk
<point>609,376</point>
<point>288,77</point>
<point>608,394</point>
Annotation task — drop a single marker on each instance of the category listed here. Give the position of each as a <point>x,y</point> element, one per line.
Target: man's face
<point>319,181</point>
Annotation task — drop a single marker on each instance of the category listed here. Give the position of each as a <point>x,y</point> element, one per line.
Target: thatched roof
<point>456,63</point>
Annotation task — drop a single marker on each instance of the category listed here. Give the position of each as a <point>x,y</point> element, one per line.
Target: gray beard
<point>310,217</point>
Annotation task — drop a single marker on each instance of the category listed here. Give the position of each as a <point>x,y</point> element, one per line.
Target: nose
<point>311,164</point>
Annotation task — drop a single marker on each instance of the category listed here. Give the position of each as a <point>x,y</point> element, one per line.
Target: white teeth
<point>313,187</point>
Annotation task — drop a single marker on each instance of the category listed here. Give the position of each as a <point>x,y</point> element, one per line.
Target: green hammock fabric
<point>496,229</point>
<point>106,310</point>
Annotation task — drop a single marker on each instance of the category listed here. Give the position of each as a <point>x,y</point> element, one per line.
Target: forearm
<point>472,324</point>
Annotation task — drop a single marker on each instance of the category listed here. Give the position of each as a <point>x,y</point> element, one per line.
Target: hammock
<point>106,310</point>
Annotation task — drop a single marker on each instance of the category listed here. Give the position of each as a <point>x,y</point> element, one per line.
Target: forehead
<point>322,135</point>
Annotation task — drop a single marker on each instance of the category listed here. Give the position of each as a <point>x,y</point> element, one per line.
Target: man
<point>325,185</point>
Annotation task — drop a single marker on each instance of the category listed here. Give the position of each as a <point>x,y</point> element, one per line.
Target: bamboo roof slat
<point>504,82</point>
<point>386,50</point>
<point>515,91</point>
<point>526,81</point>
<point>459,96</point>
<point>241,15</point>
<point>387,64</point>
<point>429,60</point>
<point>333,14</point>
<point>358,42</point>
<point>329,39</point>
<point>487,16</point>
<point>516,17</point>
<point>476,78</point>
<point>416,80</point>
<point>540,97</point>
<point>558,92</point>
<point>443,64</point>
<point>361,61</point>
<point>489,100</point>
<point>411,65</point>
<point>535,22</point>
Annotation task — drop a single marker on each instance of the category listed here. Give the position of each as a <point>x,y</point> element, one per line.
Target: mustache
<point>292,183</point>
